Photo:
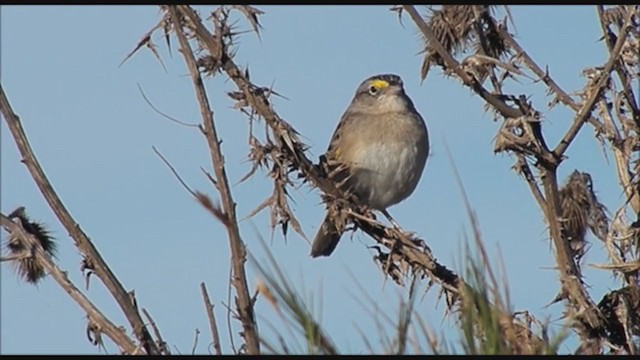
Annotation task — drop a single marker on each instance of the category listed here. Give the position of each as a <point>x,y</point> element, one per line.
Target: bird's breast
<point>387,170</point>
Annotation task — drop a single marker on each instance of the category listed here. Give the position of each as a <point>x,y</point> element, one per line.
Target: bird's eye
<point>373,90</point>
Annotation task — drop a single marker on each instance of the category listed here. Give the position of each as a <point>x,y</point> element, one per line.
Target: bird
<point>381,143</point>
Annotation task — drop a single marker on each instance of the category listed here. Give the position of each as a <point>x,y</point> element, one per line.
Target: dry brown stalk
<point>212,319</point>
<point>94,315</point>
<point>244,303</point>
<point>521,133</point>
<point>93,261</point>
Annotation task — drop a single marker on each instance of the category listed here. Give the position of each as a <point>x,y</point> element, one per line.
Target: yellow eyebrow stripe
<point>379,84</point>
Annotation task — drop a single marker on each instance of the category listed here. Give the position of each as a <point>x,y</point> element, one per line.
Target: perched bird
<point>381,143</point>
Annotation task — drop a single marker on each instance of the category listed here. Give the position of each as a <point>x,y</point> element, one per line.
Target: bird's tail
<point>326,239</point>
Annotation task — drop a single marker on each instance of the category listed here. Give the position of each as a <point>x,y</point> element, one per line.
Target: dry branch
<point>287,154</point>
<point>244,303</point>
<point>212,319</point>
<point>94,315</point>
<point>521,135</point>
<point>625,79</point>
<point>561,95</point>
<point>408,253</point>
<point>293,158</point>
<point>92,258</point>
<point>162,345</point>
<point>585,111</point>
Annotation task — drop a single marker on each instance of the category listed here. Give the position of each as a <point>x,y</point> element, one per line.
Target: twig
<point>285,134</point>
<point>20,256</point>
<point>229,331</point>
<point>614,135</point>
<point>162,345</point>
<point>522,166</point>
<point>212,319</point>
<point>497,101</point>
<point>547,165</point>
<point>146,40</point>
<point>161,113</point>
<point>173,170</point>
<point>621,156</point>
<point>622,74</point>
<point>408,249</point>
<point>195,342</point>
<point>544,75</point>
<point>585,112</point>
<point>114,332</point>
<point>244,304</point>
<point>82,242</point>
<point>506,110</point>
<point>633,194</point>
<point>210,177</point>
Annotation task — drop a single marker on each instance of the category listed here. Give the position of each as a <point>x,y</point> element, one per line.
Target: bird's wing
<point>346,138</point>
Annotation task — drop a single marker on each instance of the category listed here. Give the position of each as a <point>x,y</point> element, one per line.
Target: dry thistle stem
<point>27,266</point>
<point>458,26</point>
<point>621,308</point>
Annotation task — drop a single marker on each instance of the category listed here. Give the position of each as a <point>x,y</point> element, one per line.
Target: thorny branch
<point>92,259</point>
<point>561,95</point>
<point>244,303</point>
<point>585,111</point>
<point>454,65</point>
<point>212,319</point>
<point>162,345</point>
<point>521,135</point>
<point>287,155</point>
<point>94,315</point>
<point>522,167</point>
<point>627,69</point>
<point>625,79</point>
<point>611,322</point>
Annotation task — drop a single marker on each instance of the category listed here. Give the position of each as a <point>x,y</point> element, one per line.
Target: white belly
<point>382,180</point>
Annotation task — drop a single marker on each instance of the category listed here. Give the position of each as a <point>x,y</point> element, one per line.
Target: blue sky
<point>93,134</point>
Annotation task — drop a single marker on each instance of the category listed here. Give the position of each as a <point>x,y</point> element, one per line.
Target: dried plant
<point>27,265</point>
<point>621,308</point>
<point>608,105</point>
<point>580,209</point>
<point>468,44</point>
<point>485,321</point>
<point>92,261</point>
<point>460,29</point>
<point>282,154</point>
<point>97,323</point>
